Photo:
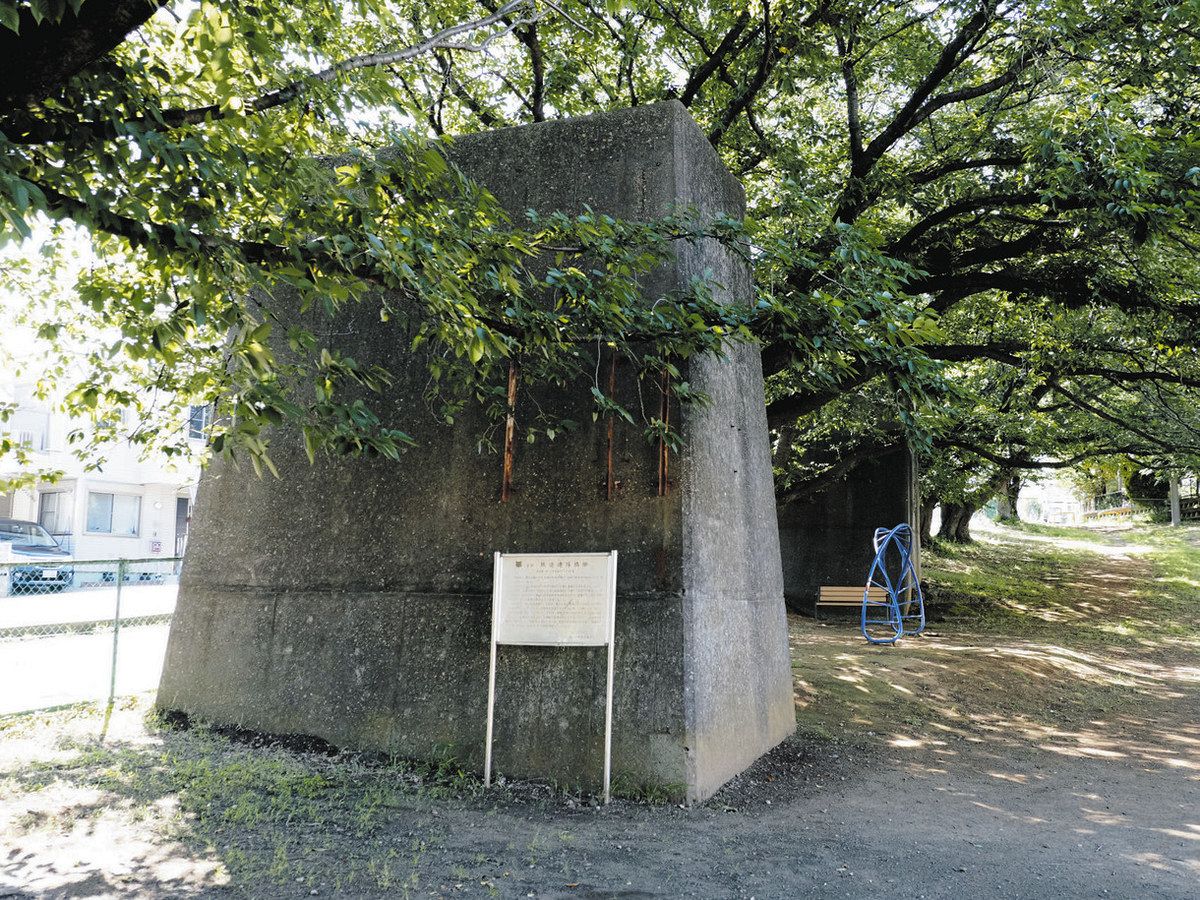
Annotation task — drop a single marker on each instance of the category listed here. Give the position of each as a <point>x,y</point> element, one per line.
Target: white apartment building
<point>1052,500</point>
<point>130,508</point>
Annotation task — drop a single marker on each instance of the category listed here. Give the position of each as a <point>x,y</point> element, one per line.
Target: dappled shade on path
<point>1006,754</point>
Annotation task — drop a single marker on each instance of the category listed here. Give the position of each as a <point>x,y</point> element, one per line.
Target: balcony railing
<point>1189,507</point>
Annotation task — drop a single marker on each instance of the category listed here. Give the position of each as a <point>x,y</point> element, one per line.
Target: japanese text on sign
<point>556,599</point>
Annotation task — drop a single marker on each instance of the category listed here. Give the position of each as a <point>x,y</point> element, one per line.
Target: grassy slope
<point>1132,586</point>
<point>1042,638</point>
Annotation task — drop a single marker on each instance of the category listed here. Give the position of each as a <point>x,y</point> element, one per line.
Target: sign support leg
<point>487,751</point>
<point>608,701</point>
<point>608,728</point>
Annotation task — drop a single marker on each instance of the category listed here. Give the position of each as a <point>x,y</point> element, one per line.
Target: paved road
<point>38,672</point>
<point>86,605</point>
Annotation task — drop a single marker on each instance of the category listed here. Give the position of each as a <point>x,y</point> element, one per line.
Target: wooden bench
<point>843,596</point>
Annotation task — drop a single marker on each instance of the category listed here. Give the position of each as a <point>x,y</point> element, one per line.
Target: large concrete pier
<point>350,600</point>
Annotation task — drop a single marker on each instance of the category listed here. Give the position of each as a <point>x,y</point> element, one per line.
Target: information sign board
<point>554,600</point>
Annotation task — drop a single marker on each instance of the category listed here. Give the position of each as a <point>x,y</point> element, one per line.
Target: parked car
<point>39,561</point>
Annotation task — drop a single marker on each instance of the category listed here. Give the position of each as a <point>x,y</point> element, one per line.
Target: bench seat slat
<point>847,595</point>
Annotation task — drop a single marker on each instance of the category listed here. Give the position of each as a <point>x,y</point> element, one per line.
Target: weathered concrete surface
<point>826,538</point>
<point>351,599</point>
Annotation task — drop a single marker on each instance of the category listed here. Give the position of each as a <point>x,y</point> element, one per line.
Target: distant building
<point>1053,501</point>
<point>129,508</point>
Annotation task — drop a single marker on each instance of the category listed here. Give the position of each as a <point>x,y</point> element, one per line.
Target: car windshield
<point>27,534</point>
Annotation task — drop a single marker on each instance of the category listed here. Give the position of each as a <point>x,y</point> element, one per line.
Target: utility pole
<point>1173,494</point>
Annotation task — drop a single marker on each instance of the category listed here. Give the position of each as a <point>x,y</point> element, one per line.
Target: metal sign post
<point>554,600</point>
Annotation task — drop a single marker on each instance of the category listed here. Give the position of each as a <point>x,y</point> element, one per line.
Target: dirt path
<point>1053,759</point>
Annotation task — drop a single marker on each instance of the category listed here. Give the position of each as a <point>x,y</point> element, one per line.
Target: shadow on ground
<point>1021,749</point>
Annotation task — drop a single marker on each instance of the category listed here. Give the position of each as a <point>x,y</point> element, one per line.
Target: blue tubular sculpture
<point>885,621</point>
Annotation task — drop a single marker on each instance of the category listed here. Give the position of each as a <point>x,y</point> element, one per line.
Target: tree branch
<point>792,406</point>
<point>155,234</point>
<point>971,93</point>
<point>766,62</point>
<point>713,60</point>
<point>38,131</point>
<point>845,464</point>
<point>966,205</point>
<point>949,59</point>
<point>933,173</point>
<point>40,59</point>
<point>845,48</point>
<point>1028,462</point>
<point>1155,441</point>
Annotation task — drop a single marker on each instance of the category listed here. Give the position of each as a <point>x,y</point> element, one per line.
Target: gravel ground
<point>833,821</point>
<point>961,764</point>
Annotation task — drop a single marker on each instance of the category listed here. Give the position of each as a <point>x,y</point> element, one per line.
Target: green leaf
<point>9,17</point>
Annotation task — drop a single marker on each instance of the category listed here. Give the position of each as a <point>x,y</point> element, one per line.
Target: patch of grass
<point>626,786</point>
<point>1176,556</point>
<point>445,773</point>
<point>1137,586</point>
<point>270,813</point>
<point>1060,532</point>
<point>974,583</point>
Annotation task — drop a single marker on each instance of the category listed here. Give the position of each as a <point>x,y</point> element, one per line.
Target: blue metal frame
<point>886,621</point>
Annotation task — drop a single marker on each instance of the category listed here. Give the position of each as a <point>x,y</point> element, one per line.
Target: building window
<point>54,511</point>
<point>113,513</point>
<point>199,418</point>
<point>32,439</point>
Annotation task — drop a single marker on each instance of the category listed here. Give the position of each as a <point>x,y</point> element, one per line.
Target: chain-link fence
<point>75,630</point>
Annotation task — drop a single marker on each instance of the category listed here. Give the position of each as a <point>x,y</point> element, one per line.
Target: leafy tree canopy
<point>974,221</point>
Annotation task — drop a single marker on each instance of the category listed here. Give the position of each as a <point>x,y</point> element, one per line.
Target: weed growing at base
<point>263,807</point>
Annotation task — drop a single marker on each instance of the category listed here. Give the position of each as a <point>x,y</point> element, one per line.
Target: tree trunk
<point>956,523</point>
<point>951,512</point>
<point>925,526</point>
<point>962,533</point>
<point>1012,489</point>
<point>1006,498</point>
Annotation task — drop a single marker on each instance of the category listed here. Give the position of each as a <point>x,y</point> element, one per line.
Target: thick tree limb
<point>956,50</point>
<point>949,59</point>
<point>1038,238</point>
<point>714,60</point>
<point>908,240</point>
<point>40,59</point>
<point>37,130</point>
<point>1167,446</point>
<point>1028,462</point>
<point>933,173</point>
<point>792,406</point>
<point>971,93</point>
<point>159,235</point>
<point>741,102</point>
<point>845,46</point>
<point>845,463</point>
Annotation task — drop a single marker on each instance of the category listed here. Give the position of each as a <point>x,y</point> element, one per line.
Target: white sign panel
<point>554,599</point>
